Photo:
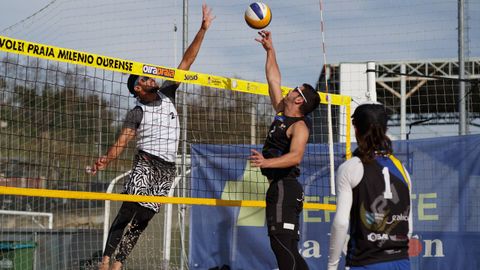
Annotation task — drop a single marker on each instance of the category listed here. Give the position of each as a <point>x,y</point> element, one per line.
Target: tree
<point>55,118</point>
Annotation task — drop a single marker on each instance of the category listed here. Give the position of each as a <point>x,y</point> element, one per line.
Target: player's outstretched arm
<point>272,71</point>
<point>114,152</point>
<point>192,50</point>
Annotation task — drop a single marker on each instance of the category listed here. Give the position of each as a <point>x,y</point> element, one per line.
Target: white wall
<point>353,83</point>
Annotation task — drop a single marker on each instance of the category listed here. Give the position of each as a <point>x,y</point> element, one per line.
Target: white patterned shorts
<point>151,176</point>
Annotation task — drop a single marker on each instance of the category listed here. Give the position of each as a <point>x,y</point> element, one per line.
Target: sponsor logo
<point>373,237</point>
<point>289,226</point>
<point>159,71</point>
<point>191,77</point>
<point>400,217</point>
<point>374,218</point>
<point>252,87</point>
<point>214,81</point>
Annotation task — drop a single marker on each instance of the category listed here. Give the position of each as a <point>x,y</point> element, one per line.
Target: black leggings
<point>138,217</point>
<point>285,247</point>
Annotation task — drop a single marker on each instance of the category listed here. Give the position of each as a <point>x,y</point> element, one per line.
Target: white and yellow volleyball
<point>258,15</point>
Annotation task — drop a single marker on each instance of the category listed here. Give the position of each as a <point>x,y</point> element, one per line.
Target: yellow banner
<point>81,195</point>
<point>126,66</point>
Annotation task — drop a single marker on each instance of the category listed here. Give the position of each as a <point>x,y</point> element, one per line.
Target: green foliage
<point>225,117</point>
<point>56,125</point>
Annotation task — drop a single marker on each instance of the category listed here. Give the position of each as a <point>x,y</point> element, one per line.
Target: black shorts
<point>284,205</point>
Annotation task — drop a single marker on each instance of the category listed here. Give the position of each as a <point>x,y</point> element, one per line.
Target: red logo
<point>414,247</point>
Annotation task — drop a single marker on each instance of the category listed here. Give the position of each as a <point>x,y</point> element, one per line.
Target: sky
<point>355,31</point>
<point>13,11</point>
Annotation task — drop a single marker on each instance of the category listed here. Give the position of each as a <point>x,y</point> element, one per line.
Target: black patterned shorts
<point>284,204</point>
<point>151,176</point>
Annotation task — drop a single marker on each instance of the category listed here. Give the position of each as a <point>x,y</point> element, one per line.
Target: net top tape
<point>54,53</point>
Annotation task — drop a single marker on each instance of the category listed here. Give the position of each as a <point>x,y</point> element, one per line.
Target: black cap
<point>131,83</point>
<point>312,99</point>
<point>368,114</point>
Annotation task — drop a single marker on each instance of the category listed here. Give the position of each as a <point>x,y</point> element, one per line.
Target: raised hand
<point>207,16</point>
<point>265,39</point>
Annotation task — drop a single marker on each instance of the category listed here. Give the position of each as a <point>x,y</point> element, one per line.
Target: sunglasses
<point>301,93</point>
<point>142,78</point>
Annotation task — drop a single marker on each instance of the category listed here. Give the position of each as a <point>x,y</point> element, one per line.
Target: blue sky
<point>13,11</point>
<point>356,31</point>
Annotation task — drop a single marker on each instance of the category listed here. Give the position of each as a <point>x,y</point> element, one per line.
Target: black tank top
<point>277,144</point>
<point>379,217</point>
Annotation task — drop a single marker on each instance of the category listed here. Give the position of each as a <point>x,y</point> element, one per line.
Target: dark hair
<point>131,84</point>
<point>312,98</point>
<point>370,121</point>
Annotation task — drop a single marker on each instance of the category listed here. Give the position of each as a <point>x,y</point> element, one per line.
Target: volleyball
<point>258,15</point>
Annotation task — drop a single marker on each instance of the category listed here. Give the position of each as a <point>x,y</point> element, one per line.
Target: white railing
<point>106,217</point>
<point>33,214</point>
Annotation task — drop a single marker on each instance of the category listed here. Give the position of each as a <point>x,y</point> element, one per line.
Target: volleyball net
<point>62,109</point>
<point>62,113</point>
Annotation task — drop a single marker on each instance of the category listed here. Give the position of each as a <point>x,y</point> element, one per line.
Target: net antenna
<point>329,108</point>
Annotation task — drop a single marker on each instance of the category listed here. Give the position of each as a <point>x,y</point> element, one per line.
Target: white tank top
<point>159,131</point>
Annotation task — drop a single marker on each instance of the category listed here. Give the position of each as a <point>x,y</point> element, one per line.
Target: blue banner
<point>446,183</point>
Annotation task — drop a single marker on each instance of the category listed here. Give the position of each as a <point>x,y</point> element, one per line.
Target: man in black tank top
<point>373,198</point>
<point>281,155</point>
